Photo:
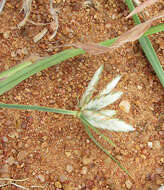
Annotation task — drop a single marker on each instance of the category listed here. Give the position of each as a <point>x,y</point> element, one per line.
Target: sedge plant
<point>91,112</point>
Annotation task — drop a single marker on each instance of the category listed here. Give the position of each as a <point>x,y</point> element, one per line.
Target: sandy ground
<point>53,151</point>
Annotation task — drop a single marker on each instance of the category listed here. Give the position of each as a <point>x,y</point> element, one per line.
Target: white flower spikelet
<point>110,86</point>
<point>91,108</point>
<point>91,87</point>
<point>103,101</point>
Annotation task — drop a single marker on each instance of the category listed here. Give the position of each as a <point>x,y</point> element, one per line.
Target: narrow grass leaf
<point>154,29</point>
<point>103,101</point>
<point>103,149</point>
<point>37,108</point>
<point>141,7</point>
<point>110,86</point>
<point>40,65</point>
<point>14,69</point>
<point>91,87</point>
<point>3,78</point>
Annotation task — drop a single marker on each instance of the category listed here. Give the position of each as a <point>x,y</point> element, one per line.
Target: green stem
<point>38,108</point>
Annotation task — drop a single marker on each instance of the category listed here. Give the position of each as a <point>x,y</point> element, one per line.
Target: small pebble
<point>128,184</point>
<point>161,188</point>
<point>150,144</point>
<point>4,169</point>
<point>41,178</point>
<point>87,161</point>
<point>6,34</point>
<point>69,168</point>
<point>125,106</point>
<point>22,155</point>
<point>13,54</point>
<point>10,161</point>
<point>67,187</point>
<point>58,185</point>
<point>139,87</point>
<point>156,145</point>
<point>84,170</point>
<point>159,170</point>
<point>88,3</point>
<point>5,139</point>
<point>107,162</point>
<point>68,154</point>
<point>108,25</point>
<point>63,178</point>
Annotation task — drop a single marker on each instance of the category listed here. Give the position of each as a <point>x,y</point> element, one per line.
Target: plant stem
<point>38,108</point>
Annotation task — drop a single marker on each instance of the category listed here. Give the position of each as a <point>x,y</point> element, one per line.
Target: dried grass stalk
<point>54,14</point>
<point>27,9</point>
<point>2,4</point>
<point>40,35</point>
<point>141,7</point>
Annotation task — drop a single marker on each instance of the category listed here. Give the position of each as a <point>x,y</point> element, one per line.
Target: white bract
<point>91,109</point>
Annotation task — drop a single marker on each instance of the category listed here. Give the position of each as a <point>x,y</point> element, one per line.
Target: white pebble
<point>150,144</point>
<point>157,144</point>
<point>139,87</point>
<point>10,161</point>
<point>69,168</point>
<point>6,34</point>
<point>128,184</point>
<point>5,139</point>
<point>41,178</point>
<point>125,106</point>
<point>161,188</point>
<point>84,170</point>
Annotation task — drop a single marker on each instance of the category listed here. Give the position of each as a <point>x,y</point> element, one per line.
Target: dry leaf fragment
<point>92,48</point>
<point>141,7</point>
<point>137,2</point>
<point>132,34</point>
<point>129,36</point>
<point>136,32</point>
<point>40,35</point>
